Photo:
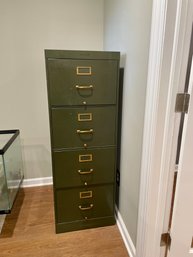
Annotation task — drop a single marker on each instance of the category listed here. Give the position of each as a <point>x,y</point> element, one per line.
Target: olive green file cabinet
<point>83,93</point>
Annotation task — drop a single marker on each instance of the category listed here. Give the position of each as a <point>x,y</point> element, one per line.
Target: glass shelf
<point>11,168</point>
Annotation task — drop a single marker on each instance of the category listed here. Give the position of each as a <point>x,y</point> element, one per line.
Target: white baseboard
<point>125,235</point>
<point>34,182</point>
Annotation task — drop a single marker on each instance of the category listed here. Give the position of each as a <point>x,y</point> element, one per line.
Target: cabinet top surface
<point>69,54</point>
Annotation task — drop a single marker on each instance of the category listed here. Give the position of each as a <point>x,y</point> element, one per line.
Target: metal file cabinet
<point>83,90</point>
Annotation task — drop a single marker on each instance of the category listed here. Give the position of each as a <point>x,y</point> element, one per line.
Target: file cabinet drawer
<point>69,171</point>
<point>76,126</point>
<point>73,82</point>
<point>84,203</point>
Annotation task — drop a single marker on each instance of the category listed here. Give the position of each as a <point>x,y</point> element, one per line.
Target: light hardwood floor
<point>29,231</point>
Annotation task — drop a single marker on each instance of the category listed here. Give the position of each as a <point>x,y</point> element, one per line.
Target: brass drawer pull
<point>84,70</point>
<point>85,172</point>
<point>84,87</point>
<point>84,116</point>
<point>86,208</point>
<point>88,131</point>
<point>85,157</point>
<point>85,194</point>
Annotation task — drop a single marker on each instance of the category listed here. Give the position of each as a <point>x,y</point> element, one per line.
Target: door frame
<point>181,232</point>
<point>159,127</point>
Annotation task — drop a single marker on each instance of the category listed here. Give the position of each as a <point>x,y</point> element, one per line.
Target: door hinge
<point>182,102</point>
<point>166,240</point>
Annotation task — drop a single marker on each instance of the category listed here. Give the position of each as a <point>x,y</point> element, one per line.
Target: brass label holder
<point>84,70</point>
<point>85,194</point>
<point>85,158</point>
<point>84,116</point>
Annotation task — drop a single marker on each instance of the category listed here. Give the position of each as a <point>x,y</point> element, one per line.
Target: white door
<point>182,222</point>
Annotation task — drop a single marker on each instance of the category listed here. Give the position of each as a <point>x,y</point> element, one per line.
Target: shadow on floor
<point>11,219</point>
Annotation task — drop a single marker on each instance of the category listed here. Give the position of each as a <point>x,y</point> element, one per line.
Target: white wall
<point>127,29</point>
<point>28,27</point>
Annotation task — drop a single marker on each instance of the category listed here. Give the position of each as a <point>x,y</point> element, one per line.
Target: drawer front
<point>75,127</point>
<point>73,82</point>
<point>84,203</point>
<point>76,168</point>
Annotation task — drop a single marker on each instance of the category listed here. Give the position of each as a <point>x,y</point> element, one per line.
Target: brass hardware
<point>85,194</point>
<point>182,103</point>
<point>85,157</point>
<point>172,200</point>
<point>86,218</point>
<point>84,87</point>
<point>84,70</point>
<point>85,183</point>
<point>85,172</point>
<point>84,102</point>
<point>86,208</point>
<point>165,237</point>
<point>166,240</point>
<point>89,131</point>
<point>84,116</point>
<point>85,145</point>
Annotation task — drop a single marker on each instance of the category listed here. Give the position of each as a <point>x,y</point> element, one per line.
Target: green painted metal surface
<point>83,89</point>
<point>70,207</point>
<point>68,88</point>
<point>68,131</point>
<point>69,172</point>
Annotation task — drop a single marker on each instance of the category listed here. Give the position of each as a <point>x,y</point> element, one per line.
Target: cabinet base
<point>85,224</point>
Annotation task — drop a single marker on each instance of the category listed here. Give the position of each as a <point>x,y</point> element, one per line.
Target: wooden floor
<point>29,231</point>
